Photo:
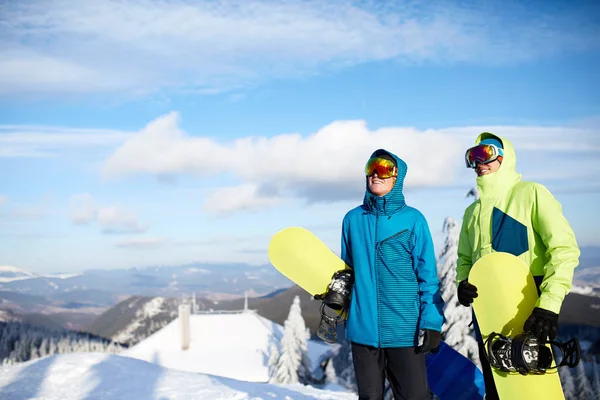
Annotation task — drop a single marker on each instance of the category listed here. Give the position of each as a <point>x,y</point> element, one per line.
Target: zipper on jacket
<point>377,282</point>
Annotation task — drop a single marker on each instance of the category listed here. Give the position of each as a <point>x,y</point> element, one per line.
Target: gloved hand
<point>431,341</point>
<point>466,293</point>
<point>542,323</point>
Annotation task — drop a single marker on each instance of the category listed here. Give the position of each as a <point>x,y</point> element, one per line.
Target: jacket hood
<point>394,200</point>
<point>494,185</point>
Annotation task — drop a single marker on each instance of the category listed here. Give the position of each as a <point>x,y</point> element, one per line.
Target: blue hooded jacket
<point>396,291</point>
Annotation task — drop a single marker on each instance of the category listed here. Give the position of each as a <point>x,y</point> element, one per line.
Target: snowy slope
<point>229,345</point>
<point>93,376</point>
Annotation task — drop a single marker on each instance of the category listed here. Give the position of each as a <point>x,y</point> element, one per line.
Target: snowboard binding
<point>337,298</point>
<point>526,354</point>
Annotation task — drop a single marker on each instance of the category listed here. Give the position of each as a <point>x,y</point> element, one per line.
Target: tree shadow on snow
<point>28,382</point>
<point>115,378</point>
<point>264,390</point>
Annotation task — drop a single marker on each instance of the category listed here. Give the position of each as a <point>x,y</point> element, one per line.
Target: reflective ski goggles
<point>483,153</point>
<point>384,168</point>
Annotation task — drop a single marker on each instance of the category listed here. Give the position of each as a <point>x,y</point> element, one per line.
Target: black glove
<point>466,293</point>
<point>542,323</point>
<point>431,341</point>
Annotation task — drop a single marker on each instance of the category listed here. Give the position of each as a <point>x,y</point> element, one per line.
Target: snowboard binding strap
<point>526,354</point>
<point>337,297</point>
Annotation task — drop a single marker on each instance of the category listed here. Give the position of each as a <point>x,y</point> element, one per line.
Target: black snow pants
<point>404,368</point>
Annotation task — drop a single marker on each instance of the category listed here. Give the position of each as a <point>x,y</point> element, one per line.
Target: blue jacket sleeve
<point>432,304</point>
<point>346,249</point>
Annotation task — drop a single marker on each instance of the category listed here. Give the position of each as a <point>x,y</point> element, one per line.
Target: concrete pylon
<point>184,317</point>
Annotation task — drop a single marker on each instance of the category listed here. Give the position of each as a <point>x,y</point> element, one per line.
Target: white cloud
<point>324,166</point>
<point>28,211</point>
<point>140,46</point>
<point>18,211</point>
<point>84,210</point>
<point>538,139</point>
<point>44,141</point>
<point>327,165</point>
<point>114,219</point>
<point>145,242</point>
<point>245,197</point>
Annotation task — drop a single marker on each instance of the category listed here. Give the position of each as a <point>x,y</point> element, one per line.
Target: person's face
<point>379,186</point>
<point>486,169</point>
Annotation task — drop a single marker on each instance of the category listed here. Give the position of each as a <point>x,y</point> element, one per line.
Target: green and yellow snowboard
<point>506,297</point>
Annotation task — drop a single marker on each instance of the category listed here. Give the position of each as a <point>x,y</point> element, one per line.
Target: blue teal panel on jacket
<point>508,234</point>
<point>396,290</point>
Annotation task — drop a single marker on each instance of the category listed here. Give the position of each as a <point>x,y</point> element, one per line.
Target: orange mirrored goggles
<point>384,168</point>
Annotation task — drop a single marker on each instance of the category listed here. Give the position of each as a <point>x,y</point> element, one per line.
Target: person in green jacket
<point>521,218</point>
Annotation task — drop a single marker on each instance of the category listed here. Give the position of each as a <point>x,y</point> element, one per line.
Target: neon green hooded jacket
<point>524,219</point>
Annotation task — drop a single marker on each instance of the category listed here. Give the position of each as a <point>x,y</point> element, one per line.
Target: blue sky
<point>165,132</point>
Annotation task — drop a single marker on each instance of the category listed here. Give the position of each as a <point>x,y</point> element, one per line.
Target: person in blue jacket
<point>396,299</point>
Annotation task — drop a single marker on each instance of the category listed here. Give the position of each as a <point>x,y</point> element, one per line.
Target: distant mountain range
<point>74,301</point>
<point>204,279</point>
<point>77,301</point>
<point>139,317</point>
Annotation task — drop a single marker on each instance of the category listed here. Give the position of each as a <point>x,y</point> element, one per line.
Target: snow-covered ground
<point>101,376</point>
<point>228,345</point>
<point>227,359</point>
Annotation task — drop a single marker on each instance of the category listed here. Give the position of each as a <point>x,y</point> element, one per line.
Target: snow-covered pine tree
<point>455,331</point>
<point>272,363</point>
<point>290,358</point>
<point>294,364</point>
<point>596,375</point>
<point>344,366</point>
<point>568,385</point>
<point>302,334</point>
<point>388,394</point>
<point>474,192</point>
<point>330,376</point>
<point>21,342</point>
<point>584,389</point>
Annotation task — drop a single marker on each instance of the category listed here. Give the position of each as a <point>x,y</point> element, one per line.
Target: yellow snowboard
<point>507,295</point>
<point>294,252</point>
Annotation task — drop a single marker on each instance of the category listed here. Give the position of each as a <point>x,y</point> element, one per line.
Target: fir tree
<point>289,359</point>
<point>455,331</point>
<point>273,360</point>
<point>21,342</point>
<point>344,366</point>
<point>595,375</point>
<point>567,383</point>
<point>584,390</point>
<point>330,376</point>
<point>294,364</point>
